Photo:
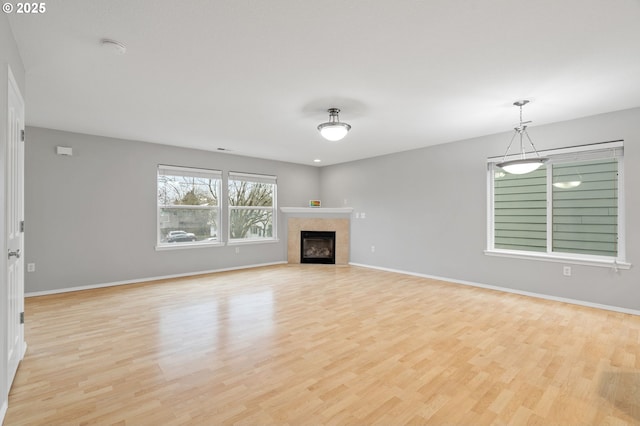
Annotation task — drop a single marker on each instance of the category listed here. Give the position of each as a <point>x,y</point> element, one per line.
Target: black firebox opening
<point>318,247</point>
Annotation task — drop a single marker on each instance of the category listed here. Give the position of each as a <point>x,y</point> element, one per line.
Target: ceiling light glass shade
<point>567,185</point>
<point>522,166</point>
<point>566,181</point>
<point>333,130</point>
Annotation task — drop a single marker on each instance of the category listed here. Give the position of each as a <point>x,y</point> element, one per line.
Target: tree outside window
<point>252,206</point>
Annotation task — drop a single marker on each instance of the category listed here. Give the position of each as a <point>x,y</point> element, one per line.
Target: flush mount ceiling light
<point>521,165</point>
<point>333,130</point>
<point>113,46</point>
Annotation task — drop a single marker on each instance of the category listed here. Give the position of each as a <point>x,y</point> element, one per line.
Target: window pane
<point>585,207</point>
<point>187,206</point>
<point>520,210</point>
<point>184,224</point>
<point>251,208</point>
<point>243,193</point>
<point>251,223</point>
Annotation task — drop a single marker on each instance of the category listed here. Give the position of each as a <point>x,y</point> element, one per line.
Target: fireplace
<point>318,247</point>
<point>339,225</point>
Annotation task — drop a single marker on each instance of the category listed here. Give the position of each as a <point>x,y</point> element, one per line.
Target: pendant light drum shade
<point>333,130</point>
<point>522,166</point>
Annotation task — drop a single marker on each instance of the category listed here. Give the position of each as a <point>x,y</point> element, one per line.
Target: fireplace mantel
<point>316,210</point>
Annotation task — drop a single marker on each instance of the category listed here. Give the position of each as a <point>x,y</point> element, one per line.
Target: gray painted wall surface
<point>426,212</point>
<point>91,217</point>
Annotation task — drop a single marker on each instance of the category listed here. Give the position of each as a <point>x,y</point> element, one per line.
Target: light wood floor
<point>306,344</point>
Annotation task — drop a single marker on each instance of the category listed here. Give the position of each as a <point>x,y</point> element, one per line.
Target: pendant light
<point>522,165</point>
<point>333,130</point>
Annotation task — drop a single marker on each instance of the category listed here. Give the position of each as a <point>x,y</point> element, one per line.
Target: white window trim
<point>247,241</point>
<point>619,262</point>
<point>189,245</point>
<point>571,258</point>
<point>205,173</point>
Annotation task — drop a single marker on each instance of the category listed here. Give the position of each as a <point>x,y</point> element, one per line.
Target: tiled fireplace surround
<point>318,219</point>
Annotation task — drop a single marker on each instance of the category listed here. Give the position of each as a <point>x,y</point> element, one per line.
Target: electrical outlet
<point>566,271</point>
<point>373,249</point>
<point>237,250</point>
<point>31,267</point>
<point>357,215</point>
<point>363,215</point>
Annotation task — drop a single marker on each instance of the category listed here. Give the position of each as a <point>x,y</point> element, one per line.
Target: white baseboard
<point>3,410</point>
<point>397,271</point>
<point>142,280</point>
<point>507,290</point>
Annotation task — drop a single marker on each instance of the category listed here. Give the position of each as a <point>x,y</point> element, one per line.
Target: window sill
<point>316,210</point>
<point>245,242</point>
<point>182,246</point>
<point>545,257</point>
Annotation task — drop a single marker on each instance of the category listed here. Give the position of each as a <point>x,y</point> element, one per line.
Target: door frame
<point>6,377</point>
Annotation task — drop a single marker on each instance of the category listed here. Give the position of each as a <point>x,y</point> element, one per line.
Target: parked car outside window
<point>180,236</point>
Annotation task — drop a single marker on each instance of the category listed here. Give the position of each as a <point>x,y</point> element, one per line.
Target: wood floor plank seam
<point>318,344</point>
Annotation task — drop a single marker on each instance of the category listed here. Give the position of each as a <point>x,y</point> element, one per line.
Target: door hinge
<point>21,317</point>
<point>22,226</point>
<point>22,135</point>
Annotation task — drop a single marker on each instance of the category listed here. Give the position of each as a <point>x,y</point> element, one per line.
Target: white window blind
<point>189,172</point>
<point>250,177</point>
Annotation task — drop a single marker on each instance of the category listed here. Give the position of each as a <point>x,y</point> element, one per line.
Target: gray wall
<point>91,217</point>
<point>9,56</point>
<point>426,213</point>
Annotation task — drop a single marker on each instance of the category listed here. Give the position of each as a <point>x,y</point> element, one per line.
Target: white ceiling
<point>256,76</point>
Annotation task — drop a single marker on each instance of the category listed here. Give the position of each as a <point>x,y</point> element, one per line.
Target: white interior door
<point>14,213</point>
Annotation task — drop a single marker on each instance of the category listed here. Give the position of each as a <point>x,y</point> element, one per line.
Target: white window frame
<point>571,154</point>
<point>163,169</point>
<point>260,178</point>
